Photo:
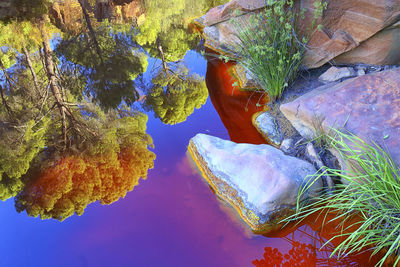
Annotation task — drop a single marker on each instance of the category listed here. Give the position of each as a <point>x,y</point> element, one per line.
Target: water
<point>171,218</point>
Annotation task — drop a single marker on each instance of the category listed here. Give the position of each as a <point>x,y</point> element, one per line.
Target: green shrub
<point>269,46</point>
<point>372,193</point>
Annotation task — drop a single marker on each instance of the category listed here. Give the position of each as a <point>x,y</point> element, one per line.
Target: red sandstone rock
<point>346,25</point>
<point>381,49</point>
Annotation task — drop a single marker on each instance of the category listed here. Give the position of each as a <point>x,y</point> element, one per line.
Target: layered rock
<point>368,106</point>
<point>362,31</point>
<point>259,181</point>
<point>381,49</point>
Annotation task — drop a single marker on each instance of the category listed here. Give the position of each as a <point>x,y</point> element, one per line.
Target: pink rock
<point>368,106</point>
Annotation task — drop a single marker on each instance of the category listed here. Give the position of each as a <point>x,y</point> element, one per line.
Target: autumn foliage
<point>64,184</point>
<point>75,181</point>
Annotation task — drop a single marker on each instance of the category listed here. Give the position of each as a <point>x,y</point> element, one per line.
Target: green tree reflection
<point>166,25</point>
<point>69,133</point>
<point>108,59</point>
<point>104,173</point>
<point>64,153</point>
<point>175,94</point>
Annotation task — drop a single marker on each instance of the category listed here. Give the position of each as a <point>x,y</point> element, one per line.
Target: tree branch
<point>28,60</point>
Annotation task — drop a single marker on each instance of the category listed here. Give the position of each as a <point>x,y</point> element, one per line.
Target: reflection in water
<point>109,67</point>
<point>303,254</point>
<point>23,9</point>
<point>68,185</point>
<point>166,25</point>
<point>175,94</point>
<point>234,107</point>
<point>308,246</point>
<point>105,54</point>
<point>48,115</point>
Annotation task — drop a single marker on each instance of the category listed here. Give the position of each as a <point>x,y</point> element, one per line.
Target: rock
<point>244,77</point>
<point>287,146</point>
<point>334,74</point>
<point>382,49</point>
<point>353,31</point>
<point>374,68</point>
<point>360,72</point>
<point>259,181</point>
<point>368,106</point>
<point>345,25</point>
<point>312,155</point>
<point>231,9</point>
<point>315,159</point>
<point>267,125</point>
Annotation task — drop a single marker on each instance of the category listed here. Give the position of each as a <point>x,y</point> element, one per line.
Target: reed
<point>371,192</point>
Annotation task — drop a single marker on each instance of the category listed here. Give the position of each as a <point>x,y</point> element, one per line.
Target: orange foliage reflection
<point>235,107</point>
<point>308,246</point>
<point>301,255</point>
<point>76,181</point>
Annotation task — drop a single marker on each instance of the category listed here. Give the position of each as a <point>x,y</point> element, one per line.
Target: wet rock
<point>267,125</point>
<point>374,68</point>
<point>368,106</point>
<point>366,30</point>
<point>334,74</point>
<point>259,181</point>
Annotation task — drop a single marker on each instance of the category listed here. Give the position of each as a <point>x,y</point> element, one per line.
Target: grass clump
<point>270,48</point>
<point>371,194</point>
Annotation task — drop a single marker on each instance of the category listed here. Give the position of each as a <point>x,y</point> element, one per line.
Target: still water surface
<point>132,62</point>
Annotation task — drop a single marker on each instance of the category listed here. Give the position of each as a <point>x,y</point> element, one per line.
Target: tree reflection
<point>175,94</point>
<point>104,173</point>
<point>23,9</point>
<point>71,133</point>
<point>107,57</point>
<point>166,25</point>
<point>304,254</point>
<point>59,148</point>
<point>308,246</point>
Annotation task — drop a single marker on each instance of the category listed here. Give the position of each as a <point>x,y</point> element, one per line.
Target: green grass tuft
<point>269,49</point>
<point>372,193</point>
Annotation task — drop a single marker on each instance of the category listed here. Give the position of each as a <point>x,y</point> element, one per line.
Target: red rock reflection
<point>235,107</point>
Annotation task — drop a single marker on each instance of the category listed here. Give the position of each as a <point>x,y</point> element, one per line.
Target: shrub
<point>372,193</point>
<point>269,46</point>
